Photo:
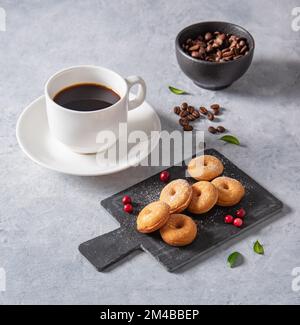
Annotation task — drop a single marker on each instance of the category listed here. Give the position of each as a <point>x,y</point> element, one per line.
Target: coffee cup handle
<point>141,93</point>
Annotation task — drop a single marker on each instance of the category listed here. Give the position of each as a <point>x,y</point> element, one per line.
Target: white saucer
<point>35,140</point>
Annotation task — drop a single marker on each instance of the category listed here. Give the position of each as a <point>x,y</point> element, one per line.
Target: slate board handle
<point>107,249</point>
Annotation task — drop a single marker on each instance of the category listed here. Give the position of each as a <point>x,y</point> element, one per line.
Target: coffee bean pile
<point>216,47</point>
<point>189,114</point>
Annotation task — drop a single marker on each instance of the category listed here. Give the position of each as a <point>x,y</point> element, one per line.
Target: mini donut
<point>231,191</point>
<point>205,196</point>
<point>179,230</point>
<point>153,217</point>
<point>205,168</point>
<point>177,194</point>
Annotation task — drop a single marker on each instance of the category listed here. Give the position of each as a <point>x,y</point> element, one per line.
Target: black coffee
<point>86,97</point>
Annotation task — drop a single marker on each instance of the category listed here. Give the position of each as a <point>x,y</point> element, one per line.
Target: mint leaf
<point>234,259</point>
<point>258,248</point>
<point>177,91</point>
<point>230,139</point>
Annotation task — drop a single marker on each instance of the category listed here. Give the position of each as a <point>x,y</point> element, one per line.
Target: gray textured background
<point>45,215</point>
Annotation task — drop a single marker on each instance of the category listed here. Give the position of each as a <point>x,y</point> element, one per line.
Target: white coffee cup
<point>78,130</point>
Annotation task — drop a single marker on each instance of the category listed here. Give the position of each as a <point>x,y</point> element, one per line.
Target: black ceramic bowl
<point>213,75</point>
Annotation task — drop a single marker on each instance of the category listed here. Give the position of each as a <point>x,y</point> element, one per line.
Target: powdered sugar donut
<point>205,196</point>
<point>205,168</point>
<point>177,194</point>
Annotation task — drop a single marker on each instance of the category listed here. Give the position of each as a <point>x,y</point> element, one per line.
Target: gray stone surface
<point>45,215</point>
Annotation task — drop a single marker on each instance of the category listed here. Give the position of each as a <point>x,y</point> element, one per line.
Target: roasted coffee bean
<point>208,36</point>
<point>219,41</point>
<point>221,129</point>
<point>216,47</point>
<point>191,117</point>
<point>183,121</point>
<point>210,116</point>
<point>177,110</point>
<point>242,43</point>
<point>187,128</point>
<point>194,48</point>
<point>195,54</point>
<point>215,106</point>
<point>196,114</point>
<point>212,130</point>
<point>209,48</point>
<point>191,109</point>
<point>233,44</point>
<point>183,113</point>
<point>202,51</point>
<point>184,106</point>
<point>222,37</point>
<point>236,51</point>
<point>244,49</point>
<point>227,54</point>
<point>219,54</point>
<point>203,110</point>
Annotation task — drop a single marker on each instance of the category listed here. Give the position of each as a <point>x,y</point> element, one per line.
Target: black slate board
<point>212,231</point>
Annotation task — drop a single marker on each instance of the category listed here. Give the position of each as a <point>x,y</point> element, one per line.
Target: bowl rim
<point>178,46</point>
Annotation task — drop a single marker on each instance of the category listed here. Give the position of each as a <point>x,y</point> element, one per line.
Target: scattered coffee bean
<point>196,114</point>
<point>177,110</point>
<point>215,106</point>
<point>221,129</point>
<point>183,113</point>
<point>183,121</point>
<point>189,114</point>
<point>216,47</point>
<point>212,130</point>
<point>203,110</point>
<point>184,106</point>
<point>191,118</point>
<point>188,127</point>
<point>191,109</point>
<point>210,116</point>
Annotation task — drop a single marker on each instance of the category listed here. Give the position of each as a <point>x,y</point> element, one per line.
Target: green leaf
<point>177,91</point>
<point>230,139</point>
<point>258,248</point>
<point>233,259</point>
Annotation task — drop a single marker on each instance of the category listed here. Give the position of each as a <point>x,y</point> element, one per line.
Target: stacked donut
<point>177,229</point>
<point>223,191</point>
